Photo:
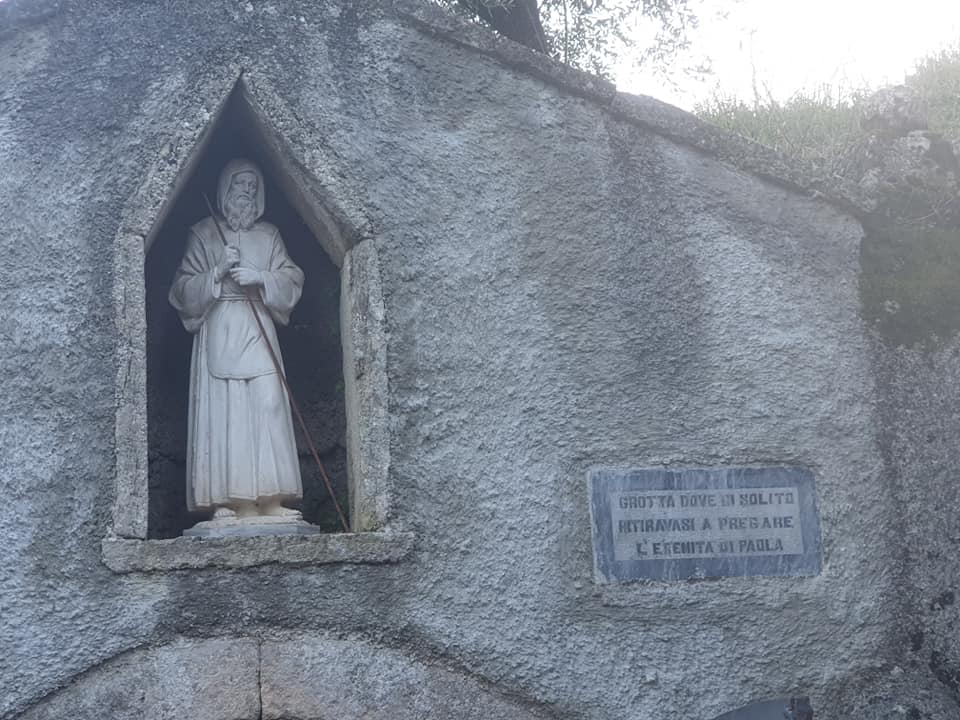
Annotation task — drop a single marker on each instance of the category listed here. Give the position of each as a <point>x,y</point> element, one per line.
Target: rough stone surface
<point>564,284</point>
<point>285,677</point>
<point>200,680</point>
<point>911,300</point>
<point>324,677</point>
<point>676,124</point>
<point>898,692</point>
<point>185,553</point>
<point>365,381</point>
<point>435,22</point>
<point>921,423</point>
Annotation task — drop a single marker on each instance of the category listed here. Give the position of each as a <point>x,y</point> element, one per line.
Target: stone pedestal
<point>250,527</point>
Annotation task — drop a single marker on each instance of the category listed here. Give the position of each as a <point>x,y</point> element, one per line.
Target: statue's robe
<point>240,441</point>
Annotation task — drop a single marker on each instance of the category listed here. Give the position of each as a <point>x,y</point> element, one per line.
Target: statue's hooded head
<point>241,195</point>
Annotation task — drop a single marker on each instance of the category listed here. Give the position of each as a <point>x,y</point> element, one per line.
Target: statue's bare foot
<point>222,513</point>
<point>275,509</point>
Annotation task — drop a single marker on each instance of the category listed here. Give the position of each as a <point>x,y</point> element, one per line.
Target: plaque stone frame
<point>753,483</point>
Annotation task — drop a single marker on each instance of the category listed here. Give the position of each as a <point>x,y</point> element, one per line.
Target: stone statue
<point>241,453</point>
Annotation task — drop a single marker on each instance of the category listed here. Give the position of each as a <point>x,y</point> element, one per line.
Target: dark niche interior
<point>790,709</point>
<point>310,344</point>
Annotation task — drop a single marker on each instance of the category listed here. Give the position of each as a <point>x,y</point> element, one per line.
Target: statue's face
<point>244,184</point>
<point>240,204</point>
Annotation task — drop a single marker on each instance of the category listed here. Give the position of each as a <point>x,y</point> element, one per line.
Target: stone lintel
<point>188,553</point>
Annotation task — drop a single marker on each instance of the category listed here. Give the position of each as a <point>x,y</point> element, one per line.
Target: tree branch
<point>518,20</point>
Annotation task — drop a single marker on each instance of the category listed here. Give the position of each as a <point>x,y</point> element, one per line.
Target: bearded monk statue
<point>242,464</point>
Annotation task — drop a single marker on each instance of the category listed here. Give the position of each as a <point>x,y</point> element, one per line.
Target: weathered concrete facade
<point>562,277</point>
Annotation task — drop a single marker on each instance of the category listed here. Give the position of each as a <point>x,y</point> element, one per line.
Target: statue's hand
<point>245,277</point>
<point>231,257</point>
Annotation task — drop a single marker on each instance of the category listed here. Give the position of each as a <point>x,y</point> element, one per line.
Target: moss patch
<point>910,283</point>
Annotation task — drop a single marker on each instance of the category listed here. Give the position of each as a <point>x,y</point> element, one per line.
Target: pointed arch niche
<point>333,352</point>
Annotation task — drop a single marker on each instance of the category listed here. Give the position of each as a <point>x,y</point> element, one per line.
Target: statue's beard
<point>240,210</point>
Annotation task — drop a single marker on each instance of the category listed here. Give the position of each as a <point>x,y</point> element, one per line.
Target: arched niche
<point>785,709</point>
<point>310,344</point>
<point>308,677</point>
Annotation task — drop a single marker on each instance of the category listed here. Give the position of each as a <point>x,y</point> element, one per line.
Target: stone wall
<point>288,676</point>
<point>910,262</point>
<point>571,277</point>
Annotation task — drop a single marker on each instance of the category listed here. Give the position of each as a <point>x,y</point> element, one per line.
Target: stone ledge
<point>186,553</point>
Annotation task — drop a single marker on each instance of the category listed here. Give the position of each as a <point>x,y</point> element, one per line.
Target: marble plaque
<point>703,523</point>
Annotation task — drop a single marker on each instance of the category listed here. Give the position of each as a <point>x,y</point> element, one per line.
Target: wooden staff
<point>283,380</point>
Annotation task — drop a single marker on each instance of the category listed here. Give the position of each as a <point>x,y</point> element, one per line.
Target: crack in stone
<point>259,679</point>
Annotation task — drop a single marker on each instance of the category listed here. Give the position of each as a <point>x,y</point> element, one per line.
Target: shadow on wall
<point>908,285</point>
<point>792,709</point>
<point>310,345</point>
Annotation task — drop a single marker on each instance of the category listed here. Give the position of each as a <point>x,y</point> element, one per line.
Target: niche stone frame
<point>330,213</point>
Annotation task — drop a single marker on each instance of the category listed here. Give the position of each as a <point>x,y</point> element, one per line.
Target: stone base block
<point>251,527</point>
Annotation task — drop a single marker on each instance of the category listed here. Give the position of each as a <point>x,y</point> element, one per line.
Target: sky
<point>791,46</point>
